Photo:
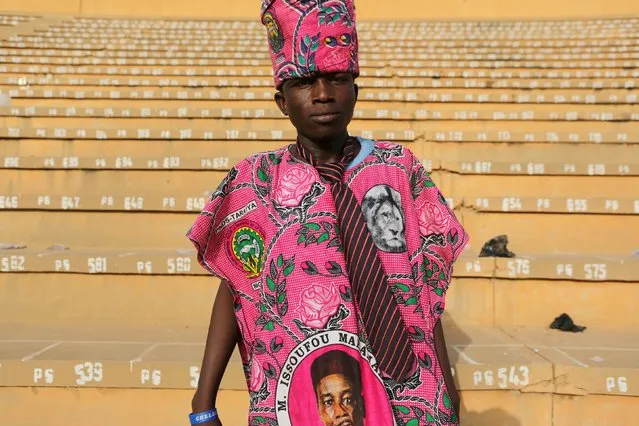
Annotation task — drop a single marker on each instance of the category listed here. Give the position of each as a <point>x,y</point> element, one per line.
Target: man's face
<point>320,107</point>
<point>337,404</point>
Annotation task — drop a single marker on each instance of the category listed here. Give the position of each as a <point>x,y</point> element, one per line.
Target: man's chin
<point>326,133</point>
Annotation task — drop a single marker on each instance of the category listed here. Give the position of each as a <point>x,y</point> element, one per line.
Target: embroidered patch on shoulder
<point>236,215</point>
<point>246,247</point>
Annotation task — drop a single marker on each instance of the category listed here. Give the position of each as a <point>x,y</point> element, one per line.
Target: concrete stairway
<point>118,131</point>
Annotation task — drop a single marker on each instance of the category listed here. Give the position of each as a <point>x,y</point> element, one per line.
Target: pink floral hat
<point>308,37</point>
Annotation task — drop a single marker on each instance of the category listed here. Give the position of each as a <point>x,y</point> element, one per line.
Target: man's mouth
<point>325,118</point>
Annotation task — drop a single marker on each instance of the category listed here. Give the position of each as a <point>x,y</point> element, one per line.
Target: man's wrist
<point>201,404</point>
<point>203,417</point>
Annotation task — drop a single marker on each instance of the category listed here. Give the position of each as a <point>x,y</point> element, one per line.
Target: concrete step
<point>470,82</point>
<point>385,30</point>
<point>120,200</point>
<point>531,376</point>
<point>397,47</point>
<point>388,44</point>
<point>150,261</point>
<point>78,229</point>
<point>367,51</point>
<point>467,158</point>
<point>548,29</point>
<point>40,96</point>
<point>369,56</point>
<point>206,100</point>
<point>182,191</point>
<point>262,125</point>
<point>63,297</point>
<point>498,70</point>
<point>506,132</point>
<point>73,117</point>
<point>618,61</point>
<point>601,75</point>
<point>176,183</point>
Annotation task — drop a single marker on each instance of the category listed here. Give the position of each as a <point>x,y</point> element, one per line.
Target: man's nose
<point>340,411</point>
<point>323,91</point>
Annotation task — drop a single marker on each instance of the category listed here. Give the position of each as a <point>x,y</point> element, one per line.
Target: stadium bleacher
<point>118,131</point>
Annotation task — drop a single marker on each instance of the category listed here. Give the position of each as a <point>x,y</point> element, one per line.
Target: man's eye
<point>348,401</point>
<point>328,402</point>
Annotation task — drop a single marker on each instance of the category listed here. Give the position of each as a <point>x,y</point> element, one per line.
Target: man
<point>330,234</point>
<point>337,383</point>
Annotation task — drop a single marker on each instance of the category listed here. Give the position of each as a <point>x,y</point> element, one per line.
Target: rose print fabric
<point>271,230</point>
<point>293,186</point>
<point>318,303</point>
<point>307,37</point>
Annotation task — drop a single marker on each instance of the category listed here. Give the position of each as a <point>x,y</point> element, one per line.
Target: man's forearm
<point>221,340</point>
<point>444,362</point>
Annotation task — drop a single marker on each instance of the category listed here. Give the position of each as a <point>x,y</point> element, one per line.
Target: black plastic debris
<point>564,323</point>
<point>496,247</point>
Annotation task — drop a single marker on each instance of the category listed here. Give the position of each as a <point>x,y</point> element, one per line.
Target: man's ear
<point>356,88</point>
<point>280,100</point>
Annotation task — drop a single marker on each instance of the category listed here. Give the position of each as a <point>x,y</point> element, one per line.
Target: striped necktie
<point>383,322</point>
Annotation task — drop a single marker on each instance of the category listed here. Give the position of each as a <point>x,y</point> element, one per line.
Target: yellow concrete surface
<point>78,229</point>
<point>169,301</point>
<point>555,234</point>
<point>531,360</point>
<point>114,83</point>
<point>473,158</point>
<point>506,409</point>
<point>133,299</point>
<point>537,303</point>
<point>366,9</point>
<point>58,258</point>
<point>38,7</point>
<point>46,117</point>
<point>468,158</point>
<point>370,57</point>
<point>249,77</point>
<point>437,114</point>
<point>194,183</point>
<point>530,129</point>
<point>109,407</point>
<point>207,154</point>
<point>593,410</point>
<point>415,99</point>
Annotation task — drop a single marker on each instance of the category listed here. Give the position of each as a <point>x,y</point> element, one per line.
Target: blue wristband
<point>199,418</point>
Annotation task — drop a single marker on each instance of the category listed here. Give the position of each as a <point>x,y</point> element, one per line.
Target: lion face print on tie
<point>382,209</point>
<point>272,230</point>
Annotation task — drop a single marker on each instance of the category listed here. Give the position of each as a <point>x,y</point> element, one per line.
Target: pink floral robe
<point>271,230</point>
